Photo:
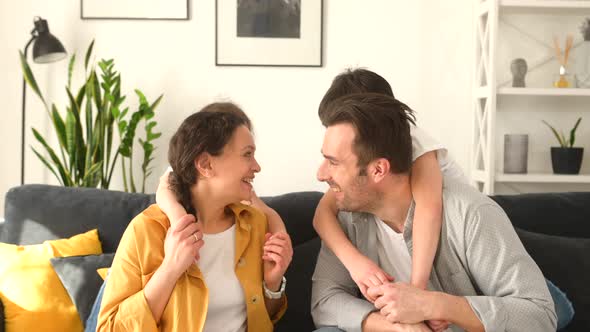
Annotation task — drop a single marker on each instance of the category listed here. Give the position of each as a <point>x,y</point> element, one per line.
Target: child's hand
<point>438,325</point>
<point>366,273</point>
<point>256,202</point>
<point>277,254</point>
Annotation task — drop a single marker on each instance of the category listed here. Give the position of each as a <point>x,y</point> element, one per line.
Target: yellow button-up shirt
<point>140,254</point>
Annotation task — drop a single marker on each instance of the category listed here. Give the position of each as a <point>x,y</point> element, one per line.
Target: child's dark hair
<point>354,81</point>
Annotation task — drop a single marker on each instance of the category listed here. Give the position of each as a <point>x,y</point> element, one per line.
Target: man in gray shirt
<point>482,278</point>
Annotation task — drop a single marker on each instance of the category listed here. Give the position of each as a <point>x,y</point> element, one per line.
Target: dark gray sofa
<point>555,229</point>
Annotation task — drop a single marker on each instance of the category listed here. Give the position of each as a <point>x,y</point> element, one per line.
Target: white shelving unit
<point>486,91</point>
<point>541,4</point>
<point>543,92</point>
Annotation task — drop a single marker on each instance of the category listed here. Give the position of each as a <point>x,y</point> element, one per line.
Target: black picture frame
<point>226,31</point>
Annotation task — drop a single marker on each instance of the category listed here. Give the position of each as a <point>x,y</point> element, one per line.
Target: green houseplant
<point>96,129</point>
<point>566,159</point>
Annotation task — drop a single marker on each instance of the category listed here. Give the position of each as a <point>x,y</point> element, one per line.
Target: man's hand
<point>377,322</point>
<point>401,302</point>
<point>366,273</point>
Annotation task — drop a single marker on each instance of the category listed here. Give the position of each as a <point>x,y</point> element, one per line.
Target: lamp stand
<point>22,133</point>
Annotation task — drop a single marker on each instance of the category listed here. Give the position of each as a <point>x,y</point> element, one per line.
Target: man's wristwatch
<point>275,295</point>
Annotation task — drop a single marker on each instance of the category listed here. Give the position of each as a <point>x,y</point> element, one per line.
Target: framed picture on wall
<point>268,33</point>
<point>134,9</point>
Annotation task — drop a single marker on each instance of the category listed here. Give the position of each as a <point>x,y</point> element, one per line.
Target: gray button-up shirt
<point>479,257</point>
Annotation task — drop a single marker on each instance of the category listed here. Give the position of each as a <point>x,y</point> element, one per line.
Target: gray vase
<point>516,150</point>
<point>582,66</point>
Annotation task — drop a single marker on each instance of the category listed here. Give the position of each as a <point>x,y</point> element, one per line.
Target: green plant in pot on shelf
<point>88,147</point>
<point>566,159</point>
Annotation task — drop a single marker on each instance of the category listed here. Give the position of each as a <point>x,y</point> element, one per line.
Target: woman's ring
<point>196,238</point>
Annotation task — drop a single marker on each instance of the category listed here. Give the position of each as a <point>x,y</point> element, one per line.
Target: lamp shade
<point>46,47</point>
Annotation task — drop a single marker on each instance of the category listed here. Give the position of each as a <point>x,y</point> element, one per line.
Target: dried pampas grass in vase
<point>562,56</point>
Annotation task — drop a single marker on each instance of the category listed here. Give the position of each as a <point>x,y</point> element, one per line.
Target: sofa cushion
<point>298,316</point>
<point>80,279</point>
<point>30,290</point>
<point>102,272</point>
<point>35,213</point>
<point>561,214</point>
<point>565,262</point>
<point>297,211</point>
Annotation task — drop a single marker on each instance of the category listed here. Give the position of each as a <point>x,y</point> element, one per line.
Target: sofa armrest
<point>563,260</point>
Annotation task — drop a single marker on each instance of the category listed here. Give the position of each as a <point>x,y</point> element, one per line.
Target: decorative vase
<point>566,160</point>
<point>563,79</point>
<point>582,67</point>
<point>516,147</point>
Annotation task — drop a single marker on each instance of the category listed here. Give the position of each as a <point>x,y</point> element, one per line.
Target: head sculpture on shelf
<point>518,67</point>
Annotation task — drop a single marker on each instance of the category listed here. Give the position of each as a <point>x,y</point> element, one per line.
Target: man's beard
<point>359,197</point>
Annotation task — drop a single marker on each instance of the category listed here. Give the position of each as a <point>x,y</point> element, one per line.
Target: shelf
<point>551,4</point>
<point>544,91</point>
<point>543,178</point>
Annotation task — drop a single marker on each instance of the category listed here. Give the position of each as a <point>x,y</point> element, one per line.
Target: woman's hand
<point>182,244</point>
<point>277,255</point>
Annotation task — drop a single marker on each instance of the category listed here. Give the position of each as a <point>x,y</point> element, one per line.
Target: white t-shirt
<point>423,143</point>
<point>227,304</point>
<point>393,252</point>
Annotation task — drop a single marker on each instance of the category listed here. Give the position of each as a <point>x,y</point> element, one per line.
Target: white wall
<point>422,47</point>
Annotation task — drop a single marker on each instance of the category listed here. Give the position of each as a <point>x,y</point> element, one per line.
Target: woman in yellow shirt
<point>224,272</point>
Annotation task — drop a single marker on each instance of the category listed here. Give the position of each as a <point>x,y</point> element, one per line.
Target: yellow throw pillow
<point>33,296</point>
<point>103,272</point>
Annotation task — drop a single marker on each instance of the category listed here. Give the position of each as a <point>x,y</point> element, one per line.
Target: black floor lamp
<point>46,49</point>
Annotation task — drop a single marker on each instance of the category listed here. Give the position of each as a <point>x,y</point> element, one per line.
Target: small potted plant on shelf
<point>566,159</point>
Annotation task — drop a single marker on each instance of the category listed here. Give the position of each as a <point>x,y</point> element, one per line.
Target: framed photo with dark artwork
<point>268,33</point>
<point>134,9</point>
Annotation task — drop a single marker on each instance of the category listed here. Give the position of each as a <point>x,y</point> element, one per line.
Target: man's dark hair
<point>355,81</point>
<point>382,128</point>
<point>207,130</point>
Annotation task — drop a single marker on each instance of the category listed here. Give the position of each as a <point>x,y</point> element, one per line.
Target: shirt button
<point>255,299</point>
<point>241,262</point>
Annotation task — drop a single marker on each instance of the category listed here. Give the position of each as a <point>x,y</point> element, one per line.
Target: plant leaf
<point>71,136</point>
<point>561,143</point>
<point>573,133</point>
<point>88,54</point>
<point>71,69</point>
<point>563,140</point>
<point>80,96</point>
<point>58,164</point>
<point>91,174</point>
<point>29,77</point>
<point>44,161</point>
<point>59,125</point>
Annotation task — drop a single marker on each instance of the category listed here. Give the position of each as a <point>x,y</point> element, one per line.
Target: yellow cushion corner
<point>34,298</point>
<point>102,272</point>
